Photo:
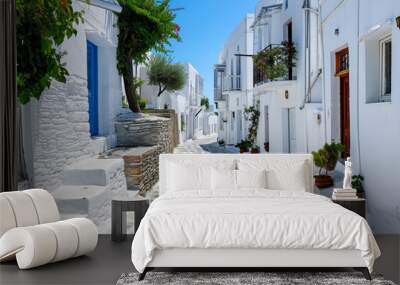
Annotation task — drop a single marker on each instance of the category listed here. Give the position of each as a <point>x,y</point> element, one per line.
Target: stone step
<point>90,201</point>
<point>92,171</point>
<point>81,199</point>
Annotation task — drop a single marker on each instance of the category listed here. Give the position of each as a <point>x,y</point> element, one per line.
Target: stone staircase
<point>87,190</point>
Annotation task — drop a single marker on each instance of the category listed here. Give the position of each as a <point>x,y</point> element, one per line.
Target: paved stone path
<point>204,145</point>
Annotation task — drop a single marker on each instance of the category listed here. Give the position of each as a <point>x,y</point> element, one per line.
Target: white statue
<point>347,174</point>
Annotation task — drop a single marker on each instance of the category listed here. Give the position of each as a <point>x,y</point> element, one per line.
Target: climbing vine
<point>42,26</point>
<point>254,117</point>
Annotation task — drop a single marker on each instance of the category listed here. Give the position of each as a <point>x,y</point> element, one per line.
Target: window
<point>286,4</point>
<point>232,81</point>
<point>260,39</point>
<point>238,69</point>
<point>386,68</point>
<point>342,62</point>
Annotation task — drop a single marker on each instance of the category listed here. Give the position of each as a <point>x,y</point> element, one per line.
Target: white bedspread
<point>250,219</point>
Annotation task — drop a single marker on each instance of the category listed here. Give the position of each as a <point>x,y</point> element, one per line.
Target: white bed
<point>198,223</point>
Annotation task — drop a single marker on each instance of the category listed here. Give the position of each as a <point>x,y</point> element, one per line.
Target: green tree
<point>42,26</point>
<point>166,75</point>
<point>204,102</point>
<point>144,25</point>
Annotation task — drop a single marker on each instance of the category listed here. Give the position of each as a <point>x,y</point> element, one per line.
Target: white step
<point>92,171</point>
<point>81,199</point>
<point>98,144</point>
<point>89,201</point>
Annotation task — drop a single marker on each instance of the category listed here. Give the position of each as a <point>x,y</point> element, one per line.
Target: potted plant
<point>357,183</point>
<point>326,159</point>
<point>275,61</point>
<point>255,149</point>
<point>244,146</point>
<point>266,146</point>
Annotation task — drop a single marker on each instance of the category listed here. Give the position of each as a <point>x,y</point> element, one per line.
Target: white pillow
<point>182,178</point>
<point>282,174</point>
<point>251,178</point>
<point>223,179</point>
<point>290,178</point>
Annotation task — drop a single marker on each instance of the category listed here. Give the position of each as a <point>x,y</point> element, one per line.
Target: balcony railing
<point>227,83</point>
<point>260,76</point>
<point>232,83</point>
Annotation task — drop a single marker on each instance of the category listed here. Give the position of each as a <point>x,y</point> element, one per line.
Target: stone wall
<point>173,123</point>
<point>60,130</point>
<point>141,166</point>
<point>144,130</point>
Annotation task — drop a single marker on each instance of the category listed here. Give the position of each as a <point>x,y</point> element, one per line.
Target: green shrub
<point>142,103</point>
<point>327,157</point>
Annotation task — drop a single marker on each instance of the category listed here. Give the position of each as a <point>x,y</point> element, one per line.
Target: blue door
<point>92,74</point>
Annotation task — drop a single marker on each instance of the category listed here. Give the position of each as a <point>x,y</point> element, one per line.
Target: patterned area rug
<point>268,278</point>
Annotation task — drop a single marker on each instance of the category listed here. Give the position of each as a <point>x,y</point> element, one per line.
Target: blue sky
<point>205,25</point>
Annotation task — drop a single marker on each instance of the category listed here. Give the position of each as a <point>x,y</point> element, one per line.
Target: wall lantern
<point>319,119</point>
<point>286,94</point>
<point>337,31</point>
<point>398,21</point>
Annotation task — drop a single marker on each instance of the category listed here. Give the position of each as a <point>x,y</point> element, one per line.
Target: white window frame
<point>383,97</point>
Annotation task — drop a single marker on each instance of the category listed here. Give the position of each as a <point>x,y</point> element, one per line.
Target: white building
<point>210,122</point>
<point>233,82</point>
<point>289,107</point>
<point>342,89</point>
<point>185,102</point>
<point>361,97</point>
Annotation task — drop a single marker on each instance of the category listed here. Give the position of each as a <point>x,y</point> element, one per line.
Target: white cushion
<point>224,179</point>
<point>291,178</point>
<point>45,205</point>
<point>23,208</point>
<point>183,178</point>
<point>171,166</point>
<point>67,239</point>
<point>281,174</point>
<point>7,220</point>
<point>251,178</point>
<point>87,233</point>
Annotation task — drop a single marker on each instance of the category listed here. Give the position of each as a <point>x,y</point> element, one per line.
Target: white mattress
<point>250,219</point>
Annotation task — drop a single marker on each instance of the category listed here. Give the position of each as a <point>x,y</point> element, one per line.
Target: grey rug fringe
<point>244,278</point>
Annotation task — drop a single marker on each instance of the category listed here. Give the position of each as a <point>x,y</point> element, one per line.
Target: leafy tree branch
<point>42,26</point>
<point>144,25</point>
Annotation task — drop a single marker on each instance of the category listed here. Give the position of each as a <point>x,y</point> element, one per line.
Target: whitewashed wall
<point>240,41</point>
<point>375,127</point>
<point>56,127</point>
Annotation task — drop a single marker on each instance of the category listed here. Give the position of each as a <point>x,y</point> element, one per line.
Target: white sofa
<point>31,231</point>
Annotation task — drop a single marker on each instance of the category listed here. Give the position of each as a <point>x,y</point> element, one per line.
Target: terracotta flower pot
<point>243,149</point>
<point>361,195</point>
<point>255,150</point>
<point>266,147</point>
<point>323,181</point>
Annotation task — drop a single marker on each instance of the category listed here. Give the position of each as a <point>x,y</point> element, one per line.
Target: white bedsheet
<point>252,218</point>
